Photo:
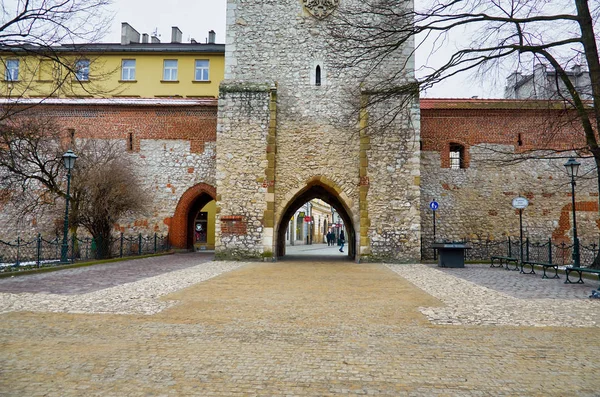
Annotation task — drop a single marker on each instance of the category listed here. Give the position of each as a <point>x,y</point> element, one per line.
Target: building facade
<point>135,68</point>
<point>545,84</point>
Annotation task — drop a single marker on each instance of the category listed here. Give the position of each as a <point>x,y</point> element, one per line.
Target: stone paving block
<point>301,329</point>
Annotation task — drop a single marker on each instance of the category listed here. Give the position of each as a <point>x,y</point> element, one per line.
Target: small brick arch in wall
<point>182,223</point>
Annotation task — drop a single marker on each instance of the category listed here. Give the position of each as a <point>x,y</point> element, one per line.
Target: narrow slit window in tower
<point>318,75</point>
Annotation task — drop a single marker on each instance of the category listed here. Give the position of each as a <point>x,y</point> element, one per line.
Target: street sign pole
<point>433,205</point>
<point>521,232</point>
<point>434,250</point>
<point>520,203</point>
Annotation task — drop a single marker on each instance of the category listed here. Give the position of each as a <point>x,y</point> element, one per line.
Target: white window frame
<point>12,70</point>
<point>457,156</point>
<point>170,71</point>
<point>202,70</point>
<point>128,71</point>
<point>455,160</point>
<point>82,70</point>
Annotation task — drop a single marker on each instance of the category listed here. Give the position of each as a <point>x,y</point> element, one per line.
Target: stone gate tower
<point>292,126</point>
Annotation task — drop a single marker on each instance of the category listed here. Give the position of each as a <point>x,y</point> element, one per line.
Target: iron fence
<point>548,251</point>
<point>40,252</point>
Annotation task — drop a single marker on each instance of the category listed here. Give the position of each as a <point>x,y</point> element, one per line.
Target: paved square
<point>300,328</point>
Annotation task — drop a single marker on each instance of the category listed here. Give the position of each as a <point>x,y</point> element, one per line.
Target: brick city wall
<point>195,124</point>
<point>173,150</point>
<point>175,156</point>
<point>475,201</point>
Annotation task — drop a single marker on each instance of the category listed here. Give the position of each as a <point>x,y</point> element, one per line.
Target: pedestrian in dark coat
<point>342,241</point>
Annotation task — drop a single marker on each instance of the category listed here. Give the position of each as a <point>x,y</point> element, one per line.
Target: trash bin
<point>451,254</point>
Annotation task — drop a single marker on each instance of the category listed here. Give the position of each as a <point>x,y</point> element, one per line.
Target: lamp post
<point>69,162</point>
<point>572,167</point>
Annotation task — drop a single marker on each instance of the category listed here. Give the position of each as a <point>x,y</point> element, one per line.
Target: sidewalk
<point>315,250</point>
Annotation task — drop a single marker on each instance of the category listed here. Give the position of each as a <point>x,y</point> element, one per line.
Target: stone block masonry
<point>282,132</point>
<point>242,169</point>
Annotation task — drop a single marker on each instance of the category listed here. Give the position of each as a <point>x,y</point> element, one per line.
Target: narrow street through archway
<point>313,226</point>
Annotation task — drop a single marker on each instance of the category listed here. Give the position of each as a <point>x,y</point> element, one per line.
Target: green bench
<point>544,265</point>
<point>580,271</point>
<point>505,260</point>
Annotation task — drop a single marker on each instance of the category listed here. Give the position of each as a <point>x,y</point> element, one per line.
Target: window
<point>12,70</point>
<point>318,75</point>
<point>170,70</point>
<point>201,71</point>
<point>456,156</point>
<point>82,69</point>
<point>128,69</point>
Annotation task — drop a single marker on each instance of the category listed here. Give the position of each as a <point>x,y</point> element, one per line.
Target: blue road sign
<point>434,205</point>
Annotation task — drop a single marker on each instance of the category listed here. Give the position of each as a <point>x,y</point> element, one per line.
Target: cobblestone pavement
<point>302,329</point>
<point>93,278</point>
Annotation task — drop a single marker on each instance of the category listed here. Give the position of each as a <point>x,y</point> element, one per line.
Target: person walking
<point>342,241</point>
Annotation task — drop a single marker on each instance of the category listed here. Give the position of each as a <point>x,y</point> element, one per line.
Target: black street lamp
<point>69,162</point>
<point>572,167</point>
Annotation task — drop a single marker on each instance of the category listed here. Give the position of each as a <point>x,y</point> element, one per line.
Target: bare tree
<point>107,189</point>
<point>41,35</point>
<point>503,34</point>
<point>31,171</point>
<point>104,188</point>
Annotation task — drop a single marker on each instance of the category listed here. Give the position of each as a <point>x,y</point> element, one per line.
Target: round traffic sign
<point>434,205</point>
<point>520,203</point>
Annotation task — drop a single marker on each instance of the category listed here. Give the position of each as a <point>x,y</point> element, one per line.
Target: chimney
<point>154,39</point>
<point>211,37</point>
<point>129,34</point>
<point>510,90</point>
<point>193,41</point>
<point>145,38</point>
<point>176,35</point>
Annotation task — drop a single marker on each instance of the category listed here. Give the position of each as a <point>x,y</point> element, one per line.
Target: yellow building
<point>138,67</point>
<point>135,68</point>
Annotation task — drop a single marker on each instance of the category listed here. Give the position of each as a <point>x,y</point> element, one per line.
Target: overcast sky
<point>196,17</point>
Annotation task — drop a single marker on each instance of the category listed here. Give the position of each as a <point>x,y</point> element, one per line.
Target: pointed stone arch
<point>192,201</point>
<point>327,190</point>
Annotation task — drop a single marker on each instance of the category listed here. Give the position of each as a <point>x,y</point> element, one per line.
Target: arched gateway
<point>182,231</point>
<point>325,192</point>
<point>281,123</point>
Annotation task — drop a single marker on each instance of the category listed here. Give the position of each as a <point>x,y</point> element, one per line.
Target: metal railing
<point>559,253</point>
<point>39,252</point>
